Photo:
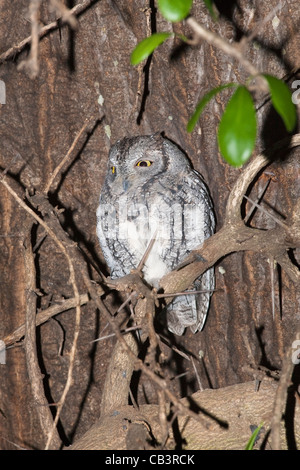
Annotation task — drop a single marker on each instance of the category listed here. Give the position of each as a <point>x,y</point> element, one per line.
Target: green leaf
<point>237,129</point>
<point>282,101</point>
<point>252,439</point>
<point>175,10</point>
<point>203,102</point>
<point>147,46</point>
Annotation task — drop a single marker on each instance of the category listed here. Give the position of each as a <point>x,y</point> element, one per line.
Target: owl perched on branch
<point>150,190</point>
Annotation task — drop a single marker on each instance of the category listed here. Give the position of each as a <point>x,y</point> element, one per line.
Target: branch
<point>67,156</point>
<point>64,247</point>
<point>12,51</point>
<point>231,49</point>
<point>64,13</point>
<point>45,315</point>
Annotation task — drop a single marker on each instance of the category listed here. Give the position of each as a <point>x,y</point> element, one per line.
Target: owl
<point>151,192</point>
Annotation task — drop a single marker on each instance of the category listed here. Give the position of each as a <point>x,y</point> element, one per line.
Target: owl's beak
<point>125,185</point>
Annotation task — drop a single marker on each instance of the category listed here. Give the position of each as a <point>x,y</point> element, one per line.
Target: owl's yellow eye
<point>113,169</point>
<point>144,163</point>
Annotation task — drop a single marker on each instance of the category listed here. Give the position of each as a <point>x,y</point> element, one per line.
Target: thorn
<point>187,292</point>
<point>146,254</point>
<point>272,263</point>
<point>126,301</point>
<point>258,200</point>
<point>257,385</point>
<point>279,222</point>
<point>123,332</point>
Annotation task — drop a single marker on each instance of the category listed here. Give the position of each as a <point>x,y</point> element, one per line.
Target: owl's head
<point>134,161</point>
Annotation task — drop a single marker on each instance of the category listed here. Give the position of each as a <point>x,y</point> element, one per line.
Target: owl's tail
<point>191,310</point>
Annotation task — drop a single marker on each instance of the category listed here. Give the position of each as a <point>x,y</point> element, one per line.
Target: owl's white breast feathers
<point>155,266</point>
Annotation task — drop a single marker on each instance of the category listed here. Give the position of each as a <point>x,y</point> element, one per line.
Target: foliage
<point>175,10</point>
<point>238,127</point>
<point>147,46</point>
<point>203,102</point>
<point>282,102</point>
<point>252,440</point>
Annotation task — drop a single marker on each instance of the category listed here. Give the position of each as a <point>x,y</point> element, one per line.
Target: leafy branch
<point>238,125</point>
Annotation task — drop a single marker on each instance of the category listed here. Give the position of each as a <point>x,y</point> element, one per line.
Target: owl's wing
<point>191,310</point>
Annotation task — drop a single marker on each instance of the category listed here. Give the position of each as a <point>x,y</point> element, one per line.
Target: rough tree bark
<point>85,74</point>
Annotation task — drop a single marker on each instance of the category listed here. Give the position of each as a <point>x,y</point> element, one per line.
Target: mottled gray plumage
<point>150,189</point>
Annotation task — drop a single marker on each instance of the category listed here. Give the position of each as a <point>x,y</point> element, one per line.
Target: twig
<point>256,30</point>
<point>31,65</point>
<point>162,416</point>
<point>129,298</point>
<point>231,49</point>
<point>197,374</point>
<point>153,350</point>
<point>34,373</point>
<point>65,13</point>
<point>147,252</point>
<point>185,292</point>
<point>12,51</point>
<point>272,264</point>
<point>67,156</point>
<point>14,444</point>
<point>174,348</point>
<point>179,376</point>
<point>41,222</point>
